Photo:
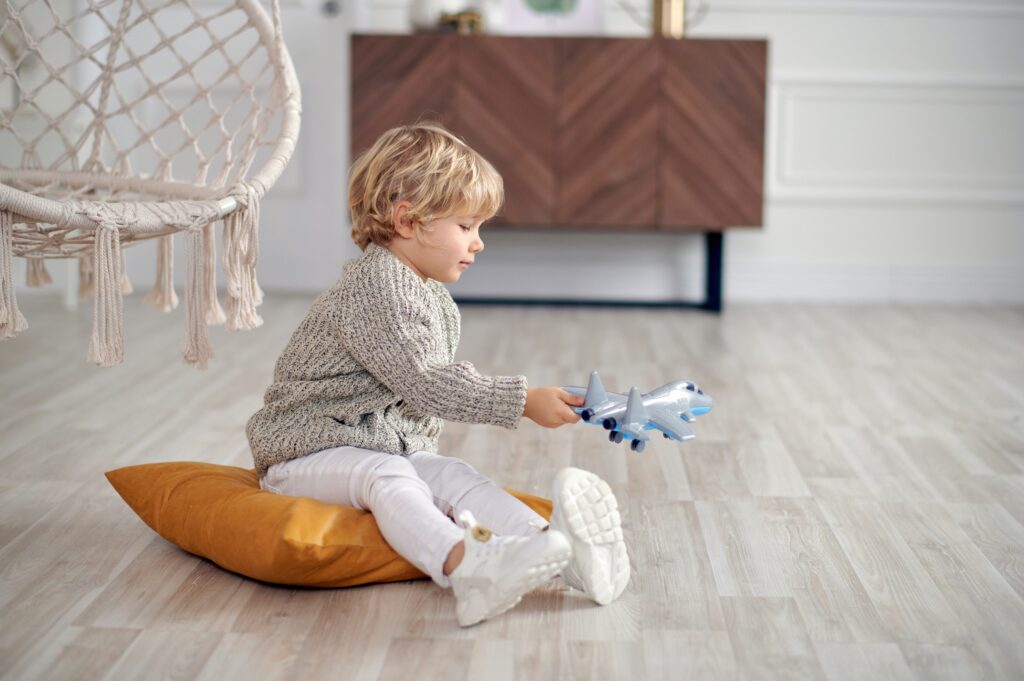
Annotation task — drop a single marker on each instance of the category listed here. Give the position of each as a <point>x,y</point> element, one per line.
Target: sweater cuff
<point>509,400</point>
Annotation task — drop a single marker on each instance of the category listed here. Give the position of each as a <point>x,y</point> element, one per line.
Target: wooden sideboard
<point>588,133</point>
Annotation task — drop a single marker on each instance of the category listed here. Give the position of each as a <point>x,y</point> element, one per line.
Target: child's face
<point>444,252</point>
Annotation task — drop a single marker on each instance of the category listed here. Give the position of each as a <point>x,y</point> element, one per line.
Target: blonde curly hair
<point>426,165</point>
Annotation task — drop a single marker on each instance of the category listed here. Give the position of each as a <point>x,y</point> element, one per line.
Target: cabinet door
<point>505,109</point>
<point>607,132</point>
<point>399,79</point>
<point>711,156</point>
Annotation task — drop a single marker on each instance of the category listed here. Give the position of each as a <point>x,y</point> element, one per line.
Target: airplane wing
<point>582,392</point>
<point>577,390</point>
<point>669,423</point>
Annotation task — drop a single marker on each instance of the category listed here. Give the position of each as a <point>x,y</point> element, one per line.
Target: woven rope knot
<point>245,193</point>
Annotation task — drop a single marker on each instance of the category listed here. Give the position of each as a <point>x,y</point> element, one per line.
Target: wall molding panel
<point>895,100</point>
<point>870,7</point>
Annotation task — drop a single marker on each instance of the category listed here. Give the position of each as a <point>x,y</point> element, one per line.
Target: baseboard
<point>746,282</point>
<point>852,283</point>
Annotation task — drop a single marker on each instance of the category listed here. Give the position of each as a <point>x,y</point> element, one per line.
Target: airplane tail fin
<point>595,392</point>
<point>635,408</point>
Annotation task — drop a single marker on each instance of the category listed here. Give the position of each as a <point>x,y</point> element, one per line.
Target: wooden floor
<point>853,508</point>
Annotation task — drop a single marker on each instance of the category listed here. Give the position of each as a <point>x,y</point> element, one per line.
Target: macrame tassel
<point>126,285</point>
<point>37,276</point>
<point>85,276</point>
<point>241,252</point>
<point>197,347</point>
<point>107,345</point>
<point>214,312</point>
<point>12,322</point>
<point>163,297</point>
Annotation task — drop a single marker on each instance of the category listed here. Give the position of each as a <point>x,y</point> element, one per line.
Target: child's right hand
<point>551,407</point>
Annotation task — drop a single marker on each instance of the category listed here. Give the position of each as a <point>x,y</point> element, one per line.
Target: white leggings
<point>414,498</point>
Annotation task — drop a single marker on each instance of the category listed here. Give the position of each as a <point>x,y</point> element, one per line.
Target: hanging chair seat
<point>55,207</point>
<point>129,121</point>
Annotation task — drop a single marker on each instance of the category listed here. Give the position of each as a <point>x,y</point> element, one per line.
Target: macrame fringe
<point>163,297</point>
<point>126,285</point>
<point>106,348</point>
<point>214,312</point>
<point>37,276</point>
<point>197,345</point>
<point>85,278</point>
<point>12,322</point>
<point>241,252</point>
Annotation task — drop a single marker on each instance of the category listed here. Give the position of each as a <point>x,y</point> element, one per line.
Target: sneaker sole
<point>590,518</point>
<point>480,606</point>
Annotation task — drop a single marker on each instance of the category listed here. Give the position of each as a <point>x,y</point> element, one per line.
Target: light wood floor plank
<point>908,601</point>
<point>998,536</point>
<point>990,610</point>
<point>833,603</point>
<point>769,639</point>
<point>855,661</point>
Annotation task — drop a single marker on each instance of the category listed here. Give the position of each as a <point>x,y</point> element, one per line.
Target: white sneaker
<point>496,571</point>
<point>586,511</point>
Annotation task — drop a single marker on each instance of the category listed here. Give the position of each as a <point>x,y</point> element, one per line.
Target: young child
<point>361,392</point>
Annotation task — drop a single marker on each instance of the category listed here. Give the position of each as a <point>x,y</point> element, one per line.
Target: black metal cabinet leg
<point>712,289</point>
<point>713,280</point>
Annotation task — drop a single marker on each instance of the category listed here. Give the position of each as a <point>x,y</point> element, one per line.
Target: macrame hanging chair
<point>127,120</point>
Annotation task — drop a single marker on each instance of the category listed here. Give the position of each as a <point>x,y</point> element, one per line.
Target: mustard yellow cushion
<point>220,513</point>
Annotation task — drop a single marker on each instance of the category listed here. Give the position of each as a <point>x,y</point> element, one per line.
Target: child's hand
<point>551,407</point>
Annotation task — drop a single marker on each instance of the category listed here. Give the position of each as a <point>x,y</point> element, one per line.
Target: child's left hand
<point>551,407</point>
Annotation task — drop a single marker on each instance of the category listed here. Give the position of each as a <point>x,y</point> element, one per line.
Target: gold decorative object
<point>669,18</point>
<point>466,22</point>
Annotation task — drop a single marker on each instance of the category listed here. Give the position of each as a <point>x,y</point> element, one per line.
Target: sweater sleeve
<point>390,332</point>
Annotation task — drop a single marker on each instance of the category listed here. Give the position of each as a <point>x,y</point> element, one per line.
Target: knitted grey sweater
<point>373,365</point>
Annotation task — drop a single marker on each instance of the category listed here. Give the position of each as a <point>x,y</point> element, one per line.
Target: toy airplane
<point>670,409</point>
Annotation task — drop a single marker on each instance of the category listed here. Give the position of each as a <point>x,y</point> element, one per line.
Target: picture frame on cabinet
<point>545,17</point>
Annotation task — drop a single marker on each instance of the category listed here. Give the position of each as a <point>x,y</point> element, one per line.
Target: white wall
<point>894,168</point>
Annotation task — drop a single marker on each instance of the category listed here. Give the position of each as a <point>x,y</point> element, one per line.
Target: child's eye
<point>465,227</point>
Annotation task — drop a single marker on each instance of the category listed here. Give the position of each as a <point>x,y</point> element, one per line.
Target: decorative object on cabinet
<point>445,16</point>
<point>465,23</point>
<point>551,17</point>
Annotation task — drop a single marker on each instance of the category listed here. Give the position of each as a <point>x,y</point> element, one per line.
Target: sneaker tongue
<point>466,519</point>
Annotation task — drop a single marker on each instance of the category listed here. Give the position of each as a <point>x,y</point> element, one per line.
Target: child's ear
<point>400,219</point>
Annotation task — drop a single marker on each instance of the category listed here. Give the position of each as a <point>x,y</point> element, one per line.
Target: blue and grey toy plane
<point>670,409</point>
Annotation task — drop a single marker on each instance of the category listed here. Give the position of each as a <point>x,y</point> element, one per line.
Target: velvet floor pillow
<point>220,513</point>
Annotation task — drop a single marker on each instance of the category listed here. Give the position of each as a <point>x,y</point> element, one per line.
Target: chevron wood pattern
<point>607,132</point>
<point>505,101</point>
<point>586,132</point>
<point>399,79</point>
<point>711,157</point>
